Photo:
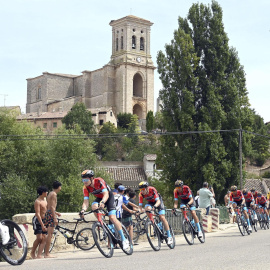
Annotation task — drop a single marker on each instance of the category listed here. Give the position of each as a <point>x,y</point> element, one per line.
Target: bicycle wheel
<point>53,240</point>
<point>103,240</point>
<point>152,235</point>
<point>136,232</point>
<point>188,232</point>
<point>202,239</point>
<point>15,251</point>
<point>84,239</point>
<point>266,221</point>
<point>128,251</point>
<point>172,245</point>
<point>240,224</point>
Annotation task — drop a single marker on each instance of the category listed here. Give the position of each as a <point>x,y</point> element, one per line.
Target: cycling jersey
<point>236,197</point>
<point>268,196</point>
<point>261,200</point>
<point>100,186</point>
<point>255,195</point>
<point>185,194</point>
<point>151,197</point>
<point>249,197</point>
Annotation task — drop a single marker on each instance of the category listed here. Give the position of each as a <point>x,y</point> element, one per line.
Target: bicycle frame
<point>185,214</point>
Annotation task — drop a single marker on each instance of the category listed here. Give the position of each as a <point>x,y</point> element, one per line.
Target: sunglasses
<point>85,180</point>
<point>142,189</point>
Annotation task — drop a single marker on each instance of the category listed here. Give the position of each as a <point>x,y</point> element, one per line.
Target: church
<point>124,85</point>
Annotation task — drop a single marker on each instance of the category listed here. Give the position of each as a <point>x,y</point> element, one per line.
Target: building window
<point>133,42</point>
<point>101,122</point>
<point>110,113</point>
<point>122,43</point>
<point>117,44</point>
<point>39,93</point>
<point>44,125</point>
<point>142,44</point>
<point>54,124</point>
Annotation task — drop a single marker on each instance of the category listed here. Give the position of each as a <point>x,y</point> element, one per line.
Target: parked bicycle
<point>139,226</point>
<point>189,227</point>
<point>83,239</point>
<point>106,237</point>
<point>156,233</point>
<point>15,251</point>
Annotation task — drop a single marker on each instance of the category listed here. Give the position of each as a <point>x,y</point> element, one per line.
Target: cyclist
<point>261,201</point>
<point>237,199</point>
<point>185,193</point>
<point>249,199</point>
<point>104,197</point>
<point>254,193</point>
<point>154,202</point>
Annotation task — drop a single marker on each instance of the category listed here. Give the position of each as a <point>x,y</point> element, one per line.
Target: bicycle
<point>15,251</point>
<point>262,218</point>
<point>156,233</point>
<point>105,235</point>
<point>241,221</point>
<point>189,227</point>
<point>138,226</point>
<point>253,221</point>
<point>83,240</point>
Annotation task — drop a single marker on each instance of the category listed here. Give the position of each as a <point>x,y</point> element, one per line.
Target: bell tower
<point>134,69</point>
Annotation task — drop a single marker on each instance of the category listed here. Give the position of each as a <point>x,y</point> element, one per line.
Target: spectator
<point>197,199</point>
<point>116,185</point>
<point>205,197</point>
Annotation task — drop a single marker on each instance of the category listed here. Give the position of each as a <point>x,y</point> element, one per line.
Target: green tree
<point>203,89</point>
<point>149,121</point>
<point>79,115</point>
<point>123,120</point>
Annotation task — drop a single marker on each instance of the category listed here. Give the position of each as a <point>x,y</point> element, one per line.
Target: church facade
<point>124,85</point>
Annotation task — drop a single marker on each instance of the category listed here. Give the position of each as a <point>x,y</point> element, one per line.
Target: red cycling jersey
<point>261,200</point>
<point>99,187</point>
<point>236,197</point>
<point>249,197</point>
<point>151,196</point>
<point>255,195</point>
<point>184,194</point>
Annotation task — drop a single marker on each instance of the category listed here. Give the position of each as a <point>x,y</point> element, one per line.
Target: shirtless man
<point>50,219</point>
<point>39,228</point>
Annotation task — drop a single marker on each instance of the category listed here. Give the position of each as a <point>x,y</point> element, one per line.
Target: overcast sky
<point>69,36</point>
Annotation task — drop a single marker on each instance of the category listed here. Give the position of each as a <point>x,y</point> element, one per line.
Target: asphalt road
<point>225,249</point>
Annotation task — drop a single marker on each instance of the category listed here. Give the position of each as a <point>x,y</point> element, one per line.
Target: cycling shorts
<point>110,205</point>
<point>239,203</point>
<point>160,208</point>
<point>183,203</point>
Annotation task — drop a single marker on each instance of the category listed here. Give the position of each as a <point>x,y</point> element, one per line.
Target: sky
<point>70,36</point>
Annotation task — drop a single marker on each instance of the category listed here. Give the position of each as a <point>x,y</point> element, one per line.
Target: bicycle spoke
<point>188,232</point>
<point>84,239</point>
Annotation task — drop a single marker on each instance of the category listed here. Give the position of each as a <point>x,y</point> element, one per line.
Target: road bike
<point>83,239</point>
<point>241,220</point>
<point>15,251</point>
<point>138,226</point>
<point>155,231</point>
<point>189,227</point>
<point>262,218</point>
<point>253,221</point>
<point>106,236</point>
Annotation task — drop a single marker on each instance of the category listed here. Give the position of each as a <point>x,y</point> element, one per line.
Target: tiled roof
<point>256,183</point>
<point>43,115</point>
<point>267,182</point>
<point>150,157</point>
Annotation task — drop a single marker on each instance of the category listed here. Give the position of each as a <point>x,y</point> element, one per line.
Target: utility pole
<point>240,158</point>
<point>4,99</point>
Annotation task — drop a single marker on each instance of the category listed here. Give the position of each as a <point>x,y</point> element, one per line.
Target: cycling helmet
<point>253,189</point>
<point>178,183</point>
<point>259,194</point>
<point>87,173</point>
<point>233,188</point>
<point>244,191</point>
<point>143,184</point>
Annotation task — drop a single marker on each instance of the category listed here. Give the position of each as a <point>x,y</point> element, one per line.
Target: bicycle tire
<point>15,251</point>
<point>53,240</point>
<point>136,232</point>
<point>240,224</point>
<point>202,239</point>
<point>172,245</point>
<point>85,239</point>
<point>188,232</point>
<point>103,240</point>
<point>128,251</point>
<point>266,220</point>
<point>153,235</point>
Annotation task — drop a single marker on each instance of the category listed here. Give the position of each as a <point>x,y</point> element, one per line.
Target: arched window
<point>142,44</point>
<point>116,44</point>
<point>133,42</point>
<point>137,85</point>
<point>39,93</point>
<point>122,43</point>
<point>137,109</point>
